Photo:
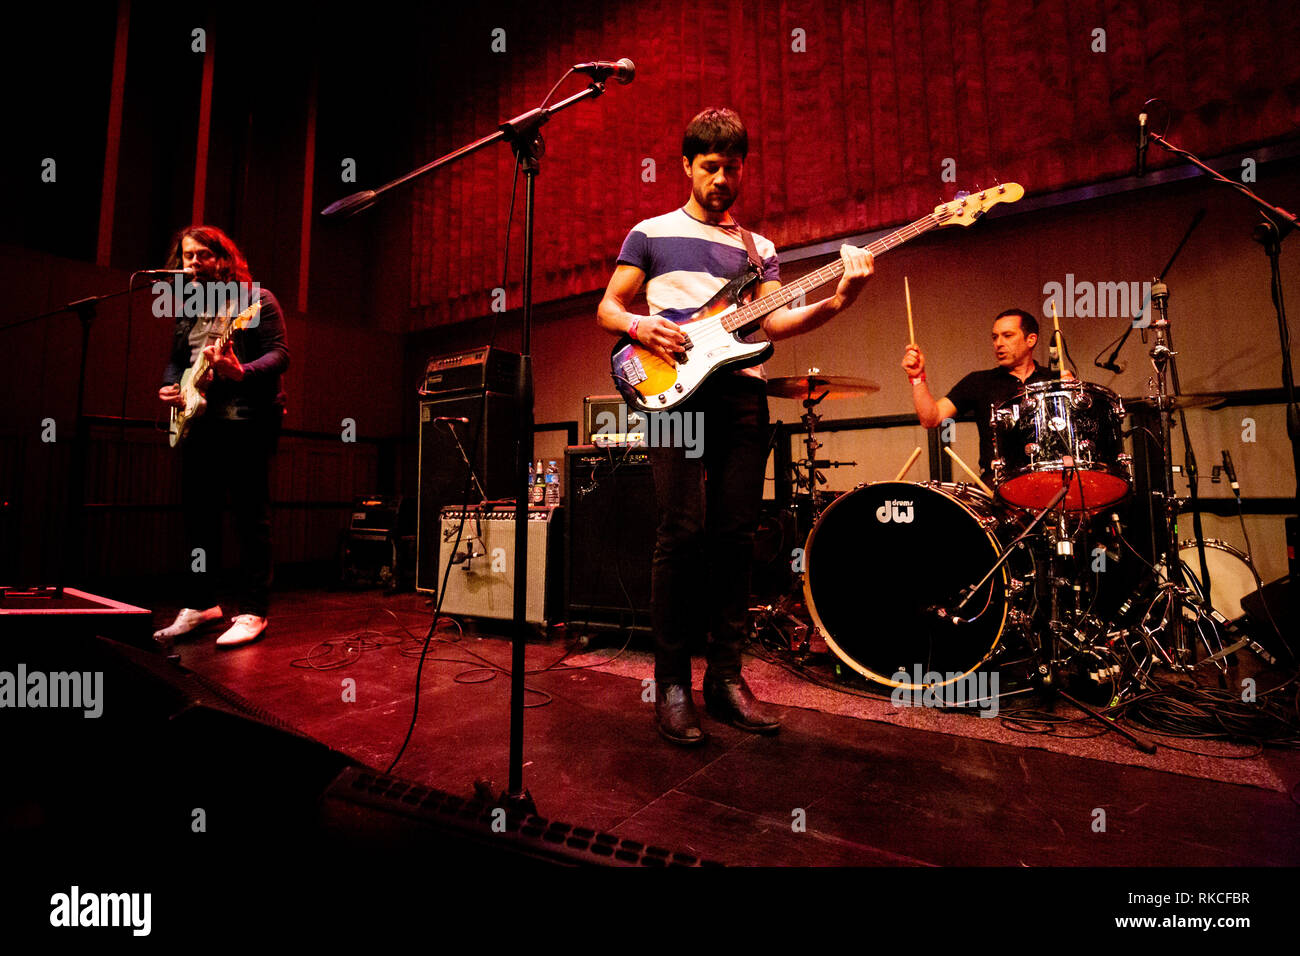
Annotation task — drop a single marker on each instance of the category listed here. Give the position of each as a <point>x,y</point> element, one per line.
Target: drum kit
<point>915,585</point>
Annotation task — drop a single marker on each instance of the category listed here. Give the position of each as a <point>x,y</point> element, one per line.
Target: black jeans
<point>223,458</point>
<point>708,511</point>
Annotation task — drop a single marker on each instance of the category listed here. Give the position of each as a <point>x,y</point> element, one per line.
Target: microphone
<point>1142,145</point>
<point>1110,366</point>
<point>1231,473</point>
<point>623,70</point>
<point>165,272</point>
<point>463,421</point>
<point>942,613</point>
<point>466,556</point>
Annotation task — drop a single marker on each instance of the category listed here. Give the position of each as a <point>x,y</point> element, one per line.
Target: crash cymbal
<point>1174,402</point>
<point>812,386</point>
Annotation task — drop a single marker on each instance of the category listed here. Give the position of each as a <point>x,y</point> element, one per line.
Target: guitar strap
<point>751,249</point>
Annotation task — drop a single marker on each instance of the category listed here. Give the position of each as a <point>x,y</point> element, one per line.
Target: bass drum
<point>883,557</point>
<point>1231,576</point>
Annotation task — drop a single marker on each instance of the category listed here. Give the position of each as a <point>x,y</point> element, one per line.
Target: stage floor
<point>828,790</point>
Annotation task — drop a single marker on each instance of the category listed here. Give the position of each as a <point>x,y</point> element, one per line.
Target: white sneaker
<point>188,620</point>
<point>243,628</point>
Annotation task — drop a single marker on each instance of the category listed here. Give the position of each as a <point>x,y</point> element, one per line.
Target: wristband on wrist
<point>631,330</point>
<point>918,380</point>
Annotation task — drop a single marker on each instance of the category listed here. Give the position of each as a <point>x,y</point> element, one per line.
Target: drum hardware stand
<point>796,633</point>
<point>1062,628</point>
<point>1178,596</point>
<point>969,592</point>
<point>812,464</point>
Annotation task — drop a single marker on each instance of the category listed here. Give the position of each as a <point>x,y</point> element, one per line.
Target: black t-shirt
<point>979,392</point>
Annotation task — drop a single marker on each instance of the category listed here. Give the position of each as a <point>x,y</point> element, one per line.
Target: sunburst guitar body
<point>651,384</point>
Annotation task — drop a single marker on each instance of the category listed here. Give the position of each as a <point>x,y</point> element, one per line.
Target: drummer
<point>1015,333</point>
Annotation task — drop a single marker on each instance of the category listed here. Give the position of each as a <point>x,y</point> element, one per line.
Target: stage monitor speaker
<point>170,762</point>
<point>610,536</point>
<point>481,582</point>
<point>1278,604</point>
<point>442,468</point>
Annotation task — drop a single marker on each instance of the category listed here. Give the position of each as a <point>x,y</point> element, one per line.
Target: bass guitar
<point>715,331</point>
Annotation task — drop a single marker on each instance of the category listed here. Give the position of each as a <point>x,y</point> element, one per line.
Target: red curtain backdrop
<point>849,135</point>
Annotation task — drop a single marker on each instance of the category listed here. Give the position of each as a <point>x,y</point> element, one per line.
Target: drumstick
<point>966,468</point>
<point>910,462</point>
<point>911,333</point>
<point>1055,360</point>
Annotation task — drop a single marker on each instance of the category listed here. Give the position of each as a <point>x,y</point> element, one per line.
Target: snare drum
<point>884,556</point>
<point>1048,422</point>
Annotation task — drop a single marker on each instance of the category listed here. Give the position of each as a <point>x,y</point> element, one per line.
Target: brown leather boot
<point>676,717</point>
<point>731,702</point>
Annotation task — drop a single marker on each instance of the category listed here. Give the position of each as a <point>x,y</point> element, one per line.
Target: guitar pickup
<point>632,371</point>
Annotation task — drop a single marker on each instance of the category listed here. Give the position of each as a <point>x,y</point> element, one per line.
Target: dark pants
<point>221,459</point>
<point>708,511</point>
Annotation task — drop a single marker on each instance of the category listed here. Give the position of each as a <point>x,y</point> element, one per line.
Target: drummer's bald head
<point>1028,324</point>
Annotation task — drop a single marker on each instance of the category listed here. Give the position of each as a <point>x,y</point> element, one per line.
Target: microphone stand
<point>1276,225</point>
<point>1109,364</point>
<point>523,134</point>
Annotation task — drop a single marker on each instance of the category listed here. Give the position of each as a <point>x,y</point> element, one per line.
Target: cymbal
<point>1175,402</point>
<point>810,386</point>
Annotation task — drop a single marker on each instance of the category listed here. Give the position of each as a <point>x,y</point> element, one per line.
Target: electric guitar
<point>195,401</point>
<point>714,331</point>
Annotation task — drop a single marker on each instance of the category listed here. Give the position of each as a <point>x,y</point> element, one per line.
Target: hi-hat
<point>808,386</point>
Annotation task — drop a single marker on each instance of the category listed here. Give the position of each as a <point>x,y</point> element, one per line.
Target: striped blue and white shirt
<point>687,261</point>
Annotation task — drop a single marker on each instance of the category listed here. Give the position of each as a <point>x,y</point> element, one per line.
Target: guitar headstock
<point>967,207</point>
<point>245,318</point>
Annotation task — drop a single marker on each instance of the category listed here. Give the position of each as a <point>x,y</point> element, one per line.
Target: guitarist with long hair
<point>709,495</point>
<point>228,448</point>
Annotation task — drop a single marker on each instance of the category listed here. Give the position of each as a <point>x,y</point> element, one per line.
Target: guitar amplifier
<point>481,582</point>
<point>611,533</point>
<point>442,474</point>
<point>379,543</point>
<point>480,369</point>
<point>606,420</point>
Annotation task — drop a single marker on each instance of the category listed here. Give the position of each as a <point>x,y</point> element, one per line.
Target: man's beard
<point>716,202</point>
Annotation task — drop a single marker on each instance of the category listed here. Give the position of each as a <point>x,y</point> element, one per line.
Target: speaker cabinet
<point>609,544</point>
<point>481,582</point>
<point>442,468</point>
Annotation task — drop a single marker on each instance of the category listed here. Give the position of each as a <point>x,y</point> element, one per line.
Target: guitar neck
<point>201,363</point>
<point>750,313</point>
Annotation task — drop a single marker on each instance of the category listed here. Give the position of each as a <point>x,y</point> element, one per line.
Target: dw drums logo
<point>897,511</point>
